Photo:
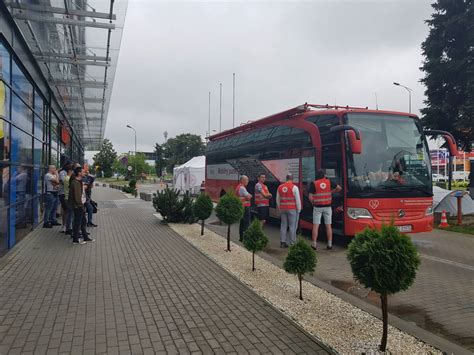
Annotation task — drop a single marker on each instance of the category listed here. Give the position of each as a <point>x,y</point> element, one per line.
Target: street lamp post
<point>409,94</point>
<point>128,126</point>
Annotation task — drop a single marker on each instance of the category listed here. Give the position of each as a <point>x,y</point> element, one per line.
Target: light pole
<point>409,94</point>
<point>128,126</point>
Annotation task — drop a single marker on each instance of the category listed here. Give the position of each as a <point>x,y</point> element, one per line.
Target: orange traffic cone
<point>444,220</point>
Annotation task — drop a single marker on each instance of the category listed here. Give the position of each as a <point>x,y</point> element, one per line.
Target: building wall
<point>30,140</point>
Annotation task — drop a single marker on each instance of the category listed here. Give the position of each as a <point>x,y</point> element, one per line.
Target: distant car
<point>439,178</point>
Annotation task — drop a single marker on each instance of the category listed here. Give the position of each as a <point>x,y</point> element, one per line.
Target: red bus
<point>380,158</point>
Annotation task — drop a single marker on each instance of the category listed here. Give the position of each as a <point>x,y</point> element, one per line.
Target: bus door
<point>308,173</point>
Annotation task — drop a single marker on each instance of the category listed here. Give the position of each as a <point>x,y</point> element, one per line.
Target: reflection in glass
<point>4,185</point>
<point>21,116</point>
<point>22,150</point>
<point>4,64</point>
<point>3,231</point>
<point>394,155</point>
<point>21,85</point>
<point>38,152</point>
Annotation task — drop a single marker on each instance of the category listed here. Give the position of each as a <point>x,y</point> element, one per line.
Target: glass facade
<point>29,142</point>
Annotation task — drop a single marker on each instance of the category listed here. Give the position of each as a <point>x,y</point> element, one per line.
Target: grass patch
<point>465,229</point>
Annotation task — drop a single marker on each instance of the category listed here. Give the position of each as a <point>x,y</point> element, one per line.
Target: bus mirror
<point>449,138</point>
<point>355,144</point>
<point>353,136</point>
<point>452,147</point>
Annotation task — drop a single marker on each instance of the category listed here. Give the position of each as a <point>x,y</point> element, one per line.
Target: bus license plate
<point>404,229</point>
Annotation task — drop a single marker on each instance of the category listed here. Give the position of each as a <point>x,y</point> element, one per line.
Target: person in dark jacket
<point>76,201</point>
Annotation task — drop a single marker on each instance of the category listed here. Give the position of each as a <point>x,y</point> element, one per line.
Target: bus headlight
<point>356,213</point>
<point>429,211</point>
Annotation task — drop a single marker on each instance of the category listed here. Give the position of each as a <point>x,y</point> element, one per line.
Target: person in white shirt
<point>289,203</point>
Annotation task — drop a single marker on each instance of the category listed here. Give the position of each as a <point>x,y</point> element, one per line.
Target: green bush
<point>384,261</point>
<point>229,210</point>
<point>172,207</point>
<point>131,188</point>
<point>300,260</point>
<point>203,209</point>
<point>254,239</point>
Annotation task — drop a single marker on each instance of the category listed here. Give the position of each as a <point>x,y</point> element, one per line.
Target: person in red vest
<point>320,195</point>
<point>289,202</point>
<point>262,199</point>
<point>245,197</point>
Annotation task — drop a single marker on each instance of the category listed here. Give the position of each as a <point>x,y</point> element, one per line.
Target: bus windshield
<point>394,159</point>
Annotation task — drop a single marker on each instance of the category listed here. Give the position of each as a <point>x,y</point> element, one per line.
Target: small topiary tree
<point>229,210</point>
<point>254,239</point>
<point>384,261</point>
<point>203,209</point>
<point>300,260</point>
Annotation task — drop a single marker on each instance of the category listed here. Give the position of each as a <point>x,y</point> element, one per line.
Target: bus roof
<point>297,111</point>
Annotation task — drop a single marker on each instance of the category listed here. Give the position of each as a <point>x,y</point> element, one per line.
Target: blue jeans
<point>89,210</point>
<point>50,207</point>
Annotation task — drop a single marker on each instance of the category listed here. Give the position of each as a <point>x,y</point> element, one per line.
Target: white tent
<point>190,175</point>
<point>447,200</point>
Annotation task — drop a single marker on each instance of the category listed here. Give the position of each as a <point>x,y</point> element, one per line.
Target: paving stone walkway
<point>139,289</point>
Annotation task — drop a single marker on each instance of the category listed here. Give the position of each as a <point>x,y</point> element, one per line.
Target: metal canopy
<point>76,44</point>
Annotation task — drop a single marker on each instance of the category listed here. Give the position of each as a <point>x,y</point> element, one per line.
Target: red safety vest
<point>243,199</point>
<point>260,200</point>
<point>322,197</point>
<point>287,199</point>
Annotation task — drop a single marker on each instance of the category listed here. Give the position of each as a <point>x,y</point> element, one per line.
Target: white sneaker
<point>80,242</point>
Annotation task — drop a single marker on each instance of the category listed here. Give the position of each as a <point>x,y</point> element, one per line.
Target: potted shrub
<point>386,262</point>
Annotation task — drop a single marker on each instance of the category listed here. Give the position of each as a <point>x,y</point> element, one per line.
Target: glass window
<point>54,141</point>
<point>54,125</point>
<point>324,124</point>
<point>4,140</point>
<point>4,102</point>
<point>38,152</point>
<point>54,158</point>
<point>38,128</point>
<point>39,105</point>
<point>3,231</point>
<point>394,155</point>
<point>4,64</point>
<point>4,185</point>
<point>21,147</point>
<point>21,116</point>
<point>21,86</point>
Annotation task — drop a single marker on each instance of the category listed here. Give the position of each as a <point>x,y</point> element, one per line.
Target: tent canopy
<point>447,200</point>
<point>190,175</point>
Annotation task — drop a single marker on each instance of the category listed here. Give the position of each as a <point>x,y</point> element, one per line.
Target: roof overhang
<point>76,44</point>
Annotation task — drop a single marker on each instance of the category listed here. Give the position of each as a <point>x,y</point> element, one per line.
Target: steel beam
<point>60,10</point>
<point>31,16</point>
<point>71,56</point>
<point>96,100</point>
<point>71,61</point>
<point>80,84</point>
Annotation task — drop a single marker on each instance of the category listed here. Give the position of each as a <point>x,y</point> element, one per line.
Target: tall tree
<point>159,159</point>
<point>449,70</point>
<point>105,158</point>
<point>180,149</point>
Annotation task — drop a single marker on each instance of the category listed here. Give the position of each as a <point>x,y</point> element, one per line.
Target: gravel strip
<point>335,322</point>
